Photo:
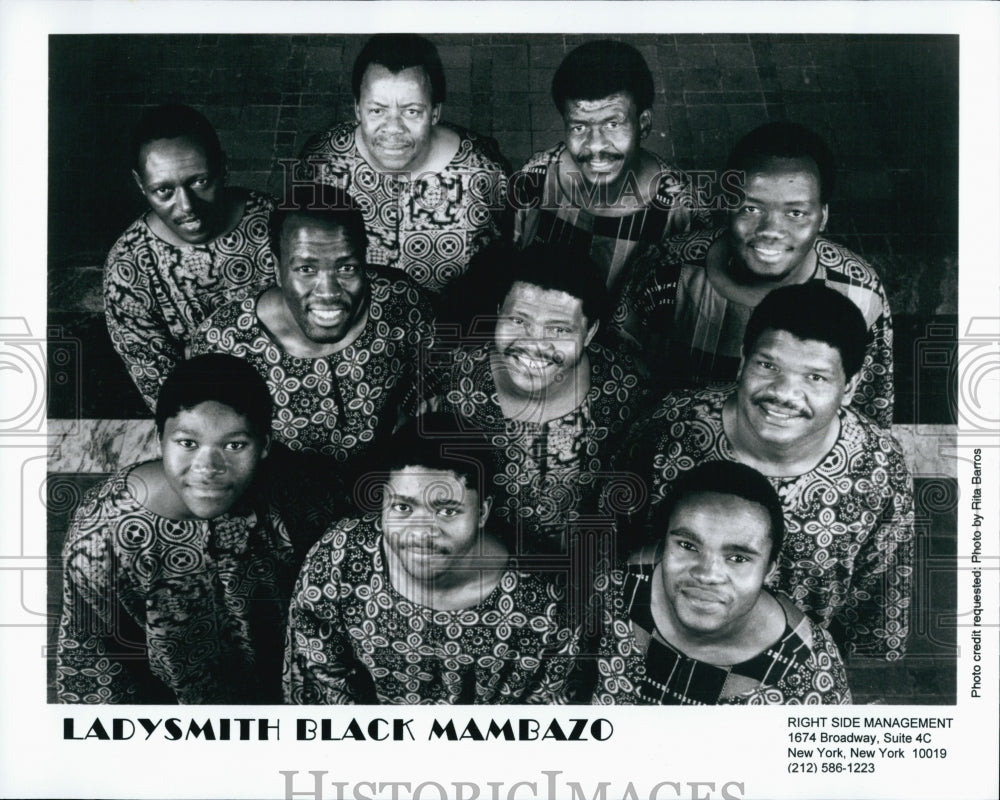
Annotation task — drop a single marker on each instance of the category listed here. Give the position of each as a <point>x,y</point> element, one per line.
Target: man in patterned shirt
<point>690,620</point>
<point>177,572</point>
<point>200,245</point>
<point>339,342</point>
<point>600,190</point>
<point>773,239</point>
<point>554,404</point>
<point>432,194</point>
<point>419,601</point>
<point>847,559</point>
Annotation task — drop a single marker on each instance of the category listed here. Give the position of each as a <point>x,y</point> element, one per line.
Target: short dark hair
<point>784,140</point>
<point>320,201</point>
<point>217,377</point>
<point>816,312</point>
<point>396,52</point>
<point>561,268</point>
<point>172,121</point>
<point>731,478</point>
<point>601,68</point>
<point>439,441</point>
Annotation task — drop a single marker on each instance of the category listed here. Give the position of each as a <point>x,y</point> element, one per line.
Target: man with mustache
<point>847,494</point>
<point>433,194</point>
<point>339,342</point>
<point>554,403</point>
<point>177,572</point>
<point>419,600</point>
<point>785,175</point>
<point>200,245</point>
<point>599,190</point>
<point>690,621</point>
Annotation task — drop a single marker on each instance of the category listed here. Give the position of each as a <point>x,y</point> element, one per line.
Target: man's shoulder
<point>843,265</point>
<point>257,203</point>
<point>237,316</point>
<point>859,431</point>
<point>350,532</point>
<point>478,151</point>
<point>542,160</point>
<point>396,292</point>
<point>134,238</point>
<point>684,403</point>
<point>689,251</point>
<point>337,141</point>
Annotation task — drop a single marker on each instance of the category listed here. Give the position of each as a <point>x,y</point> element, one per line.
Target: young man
<point>847,494</point>
<point>554,404</point>
<point>177,572</point>
<point>200,245</point>
<point>773,239</point>
<point>432,193</point>
<point>600,190</point>
<point>338,342</point>
<point>420,602</point>
<point>690,621</point>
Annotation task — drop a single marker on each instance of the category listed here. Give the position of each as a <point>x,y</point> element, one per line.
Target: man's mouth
<point>768,252</point>
<point>532,363</point>
<point>190,223</point>
<point>602,163</point>
<point>327,317</point>
<point>209,489</point>
<point>702,597</point>
<point>778,412</point>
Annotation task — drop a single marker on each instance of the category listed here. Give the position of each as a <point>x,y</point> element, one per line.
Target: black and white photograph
<point>504,380</point>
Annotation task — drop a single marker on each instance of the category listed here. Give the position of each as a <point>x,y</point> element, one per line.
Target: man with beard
<point>600,190</point>
<point>847,495</point>
<point>420,601</point>
<point>773,239</point>
<point>339,342</point>
<point>432,193</point>
<point>554,403</point>
<point>200,245</point>
<point>690,621</point>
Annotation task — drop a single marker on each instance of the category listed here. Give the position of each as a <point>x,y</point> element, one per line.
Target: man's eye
<point>765,364</point>
<point>749,210</point>
<point>163,192</point>
<point>448,513</point>
<point>515,321</point>
<point>577,129</point>
<point>187,444</point>
<point>685,545</point>
<point>306,269</point>
<point>347,269</point>
<point>236,446</point>
<point>737,559</point>
<point>796,214</point>
<point>817,378</point>
<point>557,330</point>
<point>414,112</point>
<point>401,508</point>
<point>613,124</point>
<point>200,183</point>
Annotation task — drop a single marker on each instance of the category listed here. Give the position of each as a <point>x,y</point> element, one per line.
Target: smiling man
<point>847,495</point>
<point>773,239</point>
<point>177,572</point>
<point>690,622</point>
<point>433,194</point>
<point>420,601</point>
<point>338,342</point>
<point>554,403</point>
<point>599,190</point>
<point>200,245</point>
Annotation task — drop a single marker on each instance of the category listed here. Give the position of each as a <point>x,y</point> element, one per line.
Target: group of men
<point>558,504</point>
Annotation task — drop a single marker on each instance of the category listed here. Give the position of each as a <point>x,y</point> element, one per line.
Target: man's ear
<point>851,387</point>
<point>436,114</point>
<point>591,333</point>
<point>771,572</point>
<point>645,123</point>
<point>223,167</point>
<point>484,510</point>
<point>824,216</point>
<point>357,111</point>
<point>266,449</point>
<point>138,181</point>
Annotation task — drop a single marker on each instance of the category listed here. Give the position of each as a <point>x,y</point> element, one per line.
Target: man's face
<point>602,137</point>
<point>322,278</point>
<point>714,563</point>
<point>182,187</point>
<point>396,117</point>
<point>210,454</point>
<point>432,521</point>
<point>790,390</point>
<point>541,335</point>
<point>774,230</point>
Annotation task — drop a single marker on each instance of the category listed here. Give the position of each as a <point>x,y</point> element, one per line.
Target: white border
<point>650,745</point>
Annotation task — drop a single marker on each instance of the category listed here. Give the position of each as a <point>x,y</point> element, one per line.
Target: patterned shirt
<point>157,610</point>
<point>156,293</point>
<point>636,664</point>
<point>707,336</point>
<point>352,638</point>
<point>847,558</point>
<point>548,474</point>
<point>339,404</point>
<point>428,226</point>
<point>546,213</point>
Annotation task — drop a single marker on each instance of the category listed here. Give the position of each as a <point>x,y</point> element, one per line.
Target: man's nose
<point>327,284</point>
<point>771,224</point>
<point>785,387</point>
<point>182,199</point>
<point>595,138</point>
<point>209,460</point>
<point>710,568</point>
